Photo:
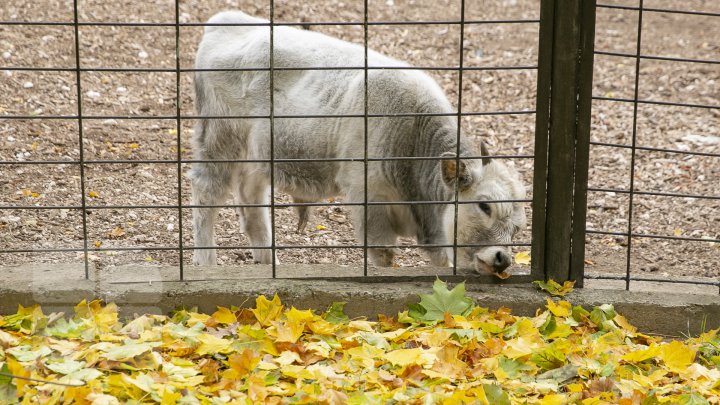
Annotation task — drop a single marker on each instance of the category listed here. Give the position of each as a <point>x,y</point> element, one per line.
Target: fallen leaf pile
<point>554,288</point>
<point>444,349</point>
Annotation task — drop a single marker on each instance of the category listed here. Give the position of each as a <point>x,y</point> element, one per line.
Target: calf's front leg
<point>431,232</point>
<point>210,184</point>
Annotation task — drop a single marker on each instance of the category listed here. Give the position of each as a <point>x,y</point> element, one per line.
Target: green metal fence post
<point>565,67</point>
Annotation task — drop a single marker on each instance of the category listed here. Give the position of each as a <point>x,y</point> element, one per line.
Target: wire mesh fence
<point>667,227</point>
<point>177,118</point>
<point>100,109</point>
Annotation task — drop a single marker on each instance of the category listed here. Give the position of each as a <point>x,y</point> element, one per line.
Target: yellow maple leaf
<point>553,399</point>
<point>448,364</point>
<point>365,355</point>
<point>479,395</point>
<point>29,193</point>
<point>76,394</point>
<point>117,232</point>
<point>575,387</point>
<point>623,323</point>
<point>677,356</point>
<point>287,357</point>
<point>257,390</point>
<point>224,316</point>
<point>332,397</point>
<point>360,324</point>
<point>289,331</point>
<point>517,348</point>
<point>562,330</point>
<point>197,318</point>
<point>320,227</point>
<point>561,308</point>
<point>292,329</point>
<point>267,311</point>
<point>103,317</point>
<point>212,344</point>
<point>526,329</point>
<point>295,315</point>
<point>522,257</point>
<point>170,397</point>
<point>299,373</point>
<point>596,400</point>
<point>647,381</point>
<point>553,288</point>
<point>17,369</point>
<point>642,355</point>
<point>93,194</point>
<point>97,398</point>
<point>404,357</point>
<point>320,326</point>
<point>241,364</point>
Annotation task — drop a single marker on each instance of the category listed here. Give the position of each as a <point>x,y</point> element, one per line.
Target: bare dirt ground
<point>147,97</point>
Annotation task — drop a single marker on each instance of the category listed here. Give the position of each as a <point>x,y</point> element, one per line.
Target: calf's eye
<point>485,207</point>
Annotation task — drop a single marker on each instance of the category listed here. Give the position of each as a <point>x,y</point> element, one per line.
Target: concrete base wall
<point>674,310</point>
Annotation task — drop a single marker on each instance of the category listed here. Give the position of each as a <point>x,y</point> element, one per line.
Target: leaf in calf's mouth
<point>503,276</point>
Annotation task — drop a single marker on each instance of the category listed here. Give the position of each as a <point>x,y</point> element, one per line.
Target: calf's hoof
<point>204,258</point>
<point>383,257</point>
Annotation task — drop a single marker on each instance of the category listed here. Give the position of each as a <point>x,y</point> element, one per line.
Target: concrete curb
<point>60,287</point>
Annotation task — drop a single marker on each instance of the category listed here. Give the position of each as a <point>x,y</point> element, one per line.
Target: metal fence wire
<point>635,145</point>
<point>561,155</point>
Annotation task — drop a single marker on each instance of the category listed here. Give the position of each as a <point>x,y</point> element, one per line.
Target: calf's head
<point>489,224</point>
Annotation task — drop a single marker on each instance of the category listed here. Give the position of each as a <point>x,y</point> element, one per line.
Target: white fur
<point>335,92</point>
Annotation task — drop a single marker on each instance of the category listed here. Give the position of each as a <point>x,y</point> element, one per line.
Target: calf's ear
<point>484,152</point>
<point>451,171</point>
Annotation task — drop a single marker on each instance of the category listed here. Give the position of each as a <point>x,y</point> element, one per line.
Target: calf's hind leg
<point>255,189</point>
<point>303,212</point>
<point>379,232</point>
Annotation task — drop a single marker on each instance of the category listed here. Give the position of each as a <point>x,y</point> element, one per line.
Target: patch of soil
<point>134,203</point>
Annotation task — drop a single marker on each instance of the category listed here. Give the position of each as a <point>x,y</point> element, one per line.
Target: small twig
<point>17,377</point>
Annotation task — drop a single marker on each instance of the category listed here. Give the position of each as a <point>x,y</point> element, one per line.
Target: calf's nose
<point>502,261</point>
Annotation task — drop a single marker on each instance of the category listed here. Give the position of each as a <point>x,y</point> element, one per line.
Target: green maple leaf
<point>362,398</point>
<point>513,368</point>
<point>78,377</point>
<point>602,316</point>
<point>128,351</point>
<point>7,389</point>
<point>5,378</point>
<point>63,328</point>
<point>578,313</point>
<point>548,359</point>
<point>189,335</point>
<point>549,326</point>
<point>24,354</point>
<point>66,366</point>
<point>561,375</point>
<point>496,395</point>
<point>432,307</point>
<point>692,399</point>
<point>335,313</point>
<point>554,288</point>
